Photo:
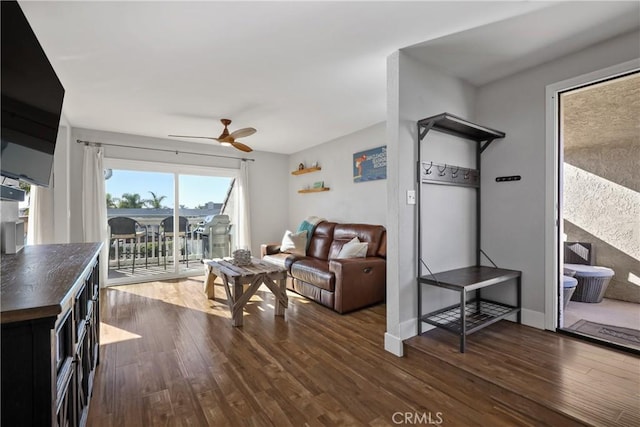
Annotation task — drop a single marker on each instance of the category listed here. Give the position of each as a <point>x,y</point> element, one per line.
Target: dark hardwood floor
<point>170,357</point>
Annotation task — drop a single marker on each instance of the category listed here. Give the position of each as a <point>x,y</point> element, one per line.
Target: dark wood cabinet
<point>50,334</point>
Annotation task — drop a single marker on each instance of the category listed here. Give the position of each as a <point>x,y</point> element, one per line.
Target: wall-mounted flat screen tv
<point>32,98</point>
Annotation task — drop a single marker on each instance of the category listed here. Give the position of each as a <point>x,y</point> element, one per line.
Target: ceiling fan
<point>228,139</point>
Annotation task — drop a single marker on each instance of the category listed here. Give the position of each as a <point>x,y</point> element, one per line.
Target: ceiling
<point>490,52</point>
<point>302,73</point>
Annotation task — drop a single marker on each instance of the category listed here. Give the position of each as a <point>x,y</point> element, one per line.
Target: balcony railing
<point>151,251</point>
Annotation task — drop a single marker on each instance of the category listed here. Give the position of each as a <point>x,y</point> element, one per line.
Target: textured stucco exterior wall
<point>602,206</point>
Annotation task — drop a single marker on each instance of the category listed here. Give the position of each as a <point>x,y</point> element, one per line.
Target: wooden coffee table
<point>235,277</point>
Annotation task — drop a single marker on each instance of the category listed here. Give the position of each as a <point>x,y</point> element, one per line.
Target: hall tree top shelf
<point>453,125</point>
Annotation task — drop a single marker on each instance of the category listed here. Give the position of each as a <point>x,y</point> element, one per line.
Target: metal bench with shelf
<point>467,316</point>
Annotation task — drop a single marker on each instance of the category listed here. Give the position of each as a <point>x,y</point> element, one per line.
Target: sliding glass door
<point>164,219</point>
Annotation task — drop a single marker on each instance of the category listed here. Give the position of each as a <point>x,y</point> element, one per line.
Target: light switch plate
<point>411,197</point>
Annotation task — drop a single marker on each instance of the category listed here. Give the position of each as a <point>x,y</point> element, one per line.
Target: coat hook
<point>428,171</point>
<point>454,174</point>
<point>466,173</point>
<point>442,172</point>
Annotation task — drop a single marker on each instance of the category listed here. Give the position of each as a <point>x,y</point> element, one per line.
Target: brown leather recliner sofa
<point>341,284</point>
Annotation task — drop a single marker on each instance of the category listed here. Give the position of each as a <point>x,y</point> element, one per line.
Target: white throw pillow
<point>353,249</point>
<point>294,243</point>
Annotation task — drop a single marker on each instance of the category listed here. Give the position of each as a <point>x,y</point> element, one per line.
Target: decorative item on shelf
<point>242,257</point>
<point>301,166</point>
<point>314,165</point>
<point>318,184</point>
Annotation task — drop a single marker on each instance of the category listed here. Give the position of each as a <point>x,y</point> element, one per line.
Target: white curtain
<point>94,205</point>
<point>244,219</point>
<point>40,229</point>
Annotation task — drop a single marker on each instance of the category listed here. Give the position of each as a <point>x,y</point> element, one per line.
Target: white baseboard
<point>535,319</point>
<point>393,344</point>
<point>409,328</point>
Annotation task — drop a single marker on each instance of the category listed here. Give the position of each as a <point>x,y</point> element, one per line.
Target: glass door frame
<point>553,184</point>
<point>176,169</point>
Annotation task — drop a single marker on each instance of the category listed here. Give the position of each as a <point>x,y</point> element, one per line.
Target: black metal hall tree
<point>465,317</point>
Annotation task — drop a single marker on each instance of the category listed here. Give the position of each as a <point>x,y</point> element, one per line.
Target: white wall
<point>268,176</point>
<point>60,184</point>
<point>346,201</point>
<point>514,213</point>
<point>416,91</point>
<point>9,211</point>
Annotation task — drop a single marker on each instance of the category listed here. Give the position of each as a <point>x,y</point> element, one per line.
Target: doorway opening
<point>599,211</point>
<point>162,220</point>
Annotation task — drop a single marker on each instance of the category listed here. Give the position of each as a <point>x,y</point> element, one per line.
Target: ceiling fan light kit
<point>227,139</point>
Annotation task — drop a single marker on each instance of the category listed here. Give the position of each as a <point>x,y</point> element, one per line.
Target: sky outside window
<point>194,190</point>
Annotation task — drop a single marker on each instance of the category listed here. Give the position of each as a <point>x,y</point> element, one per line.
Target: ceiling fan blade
<point>243,132</point>
<point>189,136</point>
<point>240,146</point>
<point>227,138</point>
